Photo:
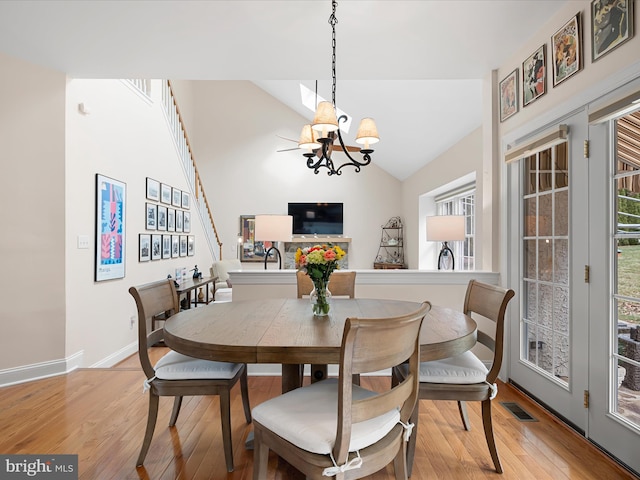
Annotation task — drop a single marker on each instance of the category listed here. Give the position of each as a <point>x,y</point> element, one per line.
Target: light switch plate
<point>83,241</point>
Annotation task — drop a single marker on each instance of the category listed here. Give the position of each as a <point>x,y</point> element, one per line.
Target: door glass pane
<point>625,324</point>
<point>546,328</point>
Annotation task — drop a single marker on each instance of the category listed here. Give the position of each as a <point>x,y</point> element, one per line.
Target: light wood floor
<point>100,415</point>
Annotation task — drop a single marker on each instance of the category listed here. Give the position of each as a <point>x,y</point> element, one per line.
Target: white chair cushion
<point>465,368</point>
<point>223,295</point>
<point>308,418</point>
<point>175,366</point>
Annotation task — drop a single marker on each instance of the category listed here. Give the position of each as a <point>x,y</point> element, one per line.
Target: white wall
<point>32,252</point>
<point>124,137</point>
<point>461,160</point>
<point>234,138</point>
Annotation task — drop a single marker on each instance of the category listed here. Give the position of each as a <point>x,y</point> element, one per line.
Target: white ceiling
<point>415,66</point>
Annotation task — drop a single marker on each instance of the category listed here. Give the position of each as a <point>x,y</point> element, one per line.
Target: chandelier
<point>318,138</point>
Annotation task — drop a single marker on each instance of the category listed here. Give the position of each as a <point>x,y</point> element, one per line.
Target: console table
<point>187,286</point>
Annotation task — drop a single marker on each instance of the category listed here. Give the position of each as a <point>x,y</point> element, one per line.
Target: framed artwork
<point>186,200</point>
<point>534,76</point>
<point>110,228</point>
<point>171,220</point>
<point>191,245</point>
<point>611,25</point>
<point>508,95</point>
<point>166,246</point>
<point>186,222</point>
<point>176,199</point>
<point>566,51</point>
<point>156,246</point>
<point>144,247</point>
<point>175,246</point>
<point>165,193</point>
<point>153,189</point>
<point>162,218</point>
<point>179,220</point>
<point>151,221</point>
<point>183,245</point>
<point>252,251</point>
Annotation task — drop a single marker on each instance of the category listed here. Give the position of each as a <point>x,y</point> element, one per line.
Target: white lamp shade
<point>367,132</point>
<point>274,228</point>
<point>325,119</point>
<point>308,138</point>
<point>445,228</point>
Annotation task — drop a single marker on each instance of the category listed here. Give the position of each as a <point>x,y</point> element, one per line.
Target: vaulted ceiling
<point>416,66</point>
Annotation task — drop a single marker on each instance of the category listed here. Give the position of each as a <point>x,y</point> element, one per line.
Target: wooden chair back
<point>152,299</point>
<point>489,301</point>
<point>341,284</point>
<point>370,345</point>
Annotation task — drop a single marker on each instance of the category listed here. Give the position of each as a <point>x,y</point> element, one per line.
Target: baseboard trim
<point>38,371</point>
<point>117,356</point>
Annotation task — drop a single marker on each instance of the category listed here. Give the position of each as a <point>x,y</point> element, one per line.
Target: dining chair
<point>335,428</point>
<point>465,377</point>
<point>341,284</point>
<point>177,375</point>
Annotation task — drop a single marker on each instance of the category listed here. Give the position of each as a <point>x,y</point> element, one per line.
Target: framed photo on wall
<point>171,220</point>
<point>534,76</point>
<point>183,245</point>
<point>611,25</point>
<point>191,245</point>
<point>176,199</point>
<point>144,247</point>
<point>151,220</point>
<point>175,246</point>
<point>251,250</point>
<point>162,218</point>
<point>179,220</point>
<point>508,91</point>
<point>186,222</point>
<point>166,246</point>
<point>153,189</point>
<point>165,193</point>
<point>110,228</point>
<point>186,200</point>
<point>156,246</point>
<point>566,51</point>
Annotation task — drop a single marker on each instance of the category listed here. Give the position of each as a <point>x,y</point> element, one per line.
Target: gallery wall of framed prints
<point>167,223</point>
<point>611,26</point>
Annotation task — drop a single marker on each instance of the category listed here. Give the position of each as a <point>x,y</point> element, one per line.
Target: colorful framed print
<point>566,51</point>
<point>176,198</point>
<point>151,216</point>
<point>183,245</point>
<point>166,246</point>
<point>611,25</point>
<point>179,220</point>
<point>186,222</point>
<point>156,246</point>
<point>171,220</point>
<point>175,246</point>
<point>191,245</point>
<point>508,90</point>
<point>110,228</point>
<point>153,189</point>
<point>144,247</point>
<point>534,76</point>
<point>165,193</point>
<point>186,200</point>
<point>162,218</point>
<point>252,250</point>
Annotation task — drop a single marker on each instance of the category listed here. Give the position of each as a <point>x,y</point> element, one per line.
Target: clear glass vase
<point>320,299</point>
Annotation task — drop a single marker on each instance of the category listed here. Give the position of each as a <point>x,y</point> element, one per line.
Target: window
<point>461,203</point>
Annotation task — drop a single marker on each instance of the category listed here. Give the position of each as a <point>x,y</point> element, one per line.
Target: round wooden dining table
<point>285,331</point>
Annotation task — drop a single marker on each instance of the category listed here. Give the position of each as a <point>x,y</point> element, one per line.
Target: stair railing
<point>176,125</point>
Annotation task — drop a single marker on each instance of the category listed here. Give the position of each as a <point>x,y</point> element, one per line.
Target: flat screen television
<point>316,218</point>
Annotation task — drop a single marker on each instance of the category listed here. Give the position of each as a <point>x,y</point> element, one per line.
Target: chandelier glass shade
<point>318,137</point>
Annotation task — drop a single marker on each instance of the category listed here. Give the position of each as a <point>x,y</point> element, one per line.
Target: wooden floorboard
<point>100,415</point>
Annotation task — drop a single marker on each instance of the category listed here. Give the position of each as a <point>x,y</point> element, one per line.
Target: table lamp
<point>445,228</point>
<point>273,228</point>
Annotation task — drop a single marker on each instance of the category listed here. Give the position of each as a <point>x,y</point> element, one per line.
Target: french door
<point>548,224</point>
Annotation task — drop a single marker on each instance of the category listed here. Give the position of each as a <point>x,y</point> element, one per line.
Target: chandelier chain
<point>332,21</point>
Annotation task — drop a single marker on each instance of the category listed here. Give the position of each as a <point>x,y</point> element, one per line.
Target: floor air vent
<point>518,412</point>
